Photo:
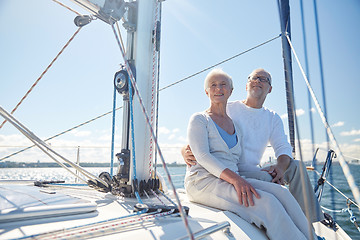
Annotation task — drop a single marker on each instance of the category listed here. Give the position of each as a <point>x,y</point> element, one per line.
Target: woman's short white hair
<point>216,72</point>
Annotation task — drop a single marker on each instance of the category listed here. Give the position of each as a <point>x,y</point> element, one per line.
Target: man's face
<point>258,85</point>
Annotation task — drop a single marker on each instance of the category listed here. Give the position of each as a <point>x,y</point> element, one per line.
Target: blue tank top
<point>230,140</point>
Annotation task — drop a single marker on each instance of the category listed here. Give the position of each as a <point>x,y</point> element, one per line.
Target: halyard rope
<point>63,5</point>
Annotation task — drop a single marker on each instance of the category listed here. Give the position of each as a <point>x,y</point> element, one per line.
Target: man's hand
<point>188,156</point>
<point>277,171</point>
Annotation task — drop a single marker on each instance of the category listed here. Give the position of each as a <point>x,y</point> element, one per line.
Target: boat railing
<point>224,226</point>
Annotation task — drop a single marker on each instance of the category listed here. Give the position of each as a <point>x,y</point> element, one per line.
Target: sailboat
<point>133,201</point>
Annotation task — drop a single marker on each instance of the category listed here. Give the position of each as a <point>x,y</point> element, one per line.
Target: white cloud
<point>299,112</point>
<point>350,133</point>
<point>182,139</point>
<point>172,136</point>
<point>172,152</point>
<point>313,110</point>
<point>284,116</point>
<point>164,130</point>
<point>175,130</point>
<point>357,140</point>
<point>78,133</point>
<point>346,148</point>
<point>338,124</point>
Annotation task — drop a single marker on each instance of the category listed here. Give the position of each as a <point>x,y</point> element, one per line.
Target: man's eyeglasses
<point>261,79</point>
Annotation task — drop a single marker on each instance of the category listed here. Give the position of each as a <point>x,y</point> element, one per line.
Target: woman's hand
<point>188,156</point>
<point>243,189</point>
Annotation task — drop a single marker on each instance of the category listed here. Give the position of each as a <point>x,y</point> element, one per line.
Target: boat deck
<point>60,212</point>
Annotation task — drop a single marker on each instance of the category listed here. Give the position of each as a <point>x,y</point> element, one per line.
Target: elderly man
<point>261,126</point>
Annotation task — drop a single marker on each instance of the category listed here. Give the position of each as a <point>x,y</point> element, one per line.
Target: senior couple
<point>226,143</point>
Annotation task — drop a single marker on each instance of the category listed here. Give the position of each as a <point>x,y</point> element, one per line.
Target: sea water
<point>330,199</point>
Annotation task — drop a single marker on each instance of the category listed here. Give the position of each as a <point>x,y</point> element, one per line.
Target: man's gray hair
<point>262,70</point>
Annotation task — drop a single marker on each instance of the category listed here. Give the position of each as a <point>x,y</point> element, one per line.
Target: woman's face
<point>218,89</point>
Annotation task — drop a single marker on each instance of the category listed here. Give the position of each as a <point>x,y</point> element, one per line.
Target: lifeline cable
<point>343,164</point>
<point>349,201</point>
<point>338,190</point>
<point>42,74</point>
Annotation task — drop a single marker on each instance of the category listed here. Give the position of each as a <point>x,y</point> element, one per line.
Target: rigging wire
<point>342,161</point>
<point>320,65</point>
<point>43,73</point>
<point>168,86</point>
<point>323,88</point>
<point>308,76</point>
<point>221,62</point>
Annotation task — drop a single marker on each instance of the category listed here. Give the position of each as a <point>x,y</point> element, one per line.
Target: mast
<point>284,11</point>
<point>141,56</point>
<point>144,47</point>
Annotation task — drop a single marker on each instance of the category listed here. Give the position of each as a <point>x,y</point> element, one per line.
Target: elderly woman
<point>215,181</point>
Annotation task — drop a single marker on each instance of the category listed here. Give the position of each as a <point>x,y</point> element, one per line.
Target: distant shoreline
<point>8,164</point>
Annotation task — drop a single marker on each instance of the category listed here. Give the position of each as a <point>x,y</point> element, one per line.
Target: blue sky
<point>195,35</point>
